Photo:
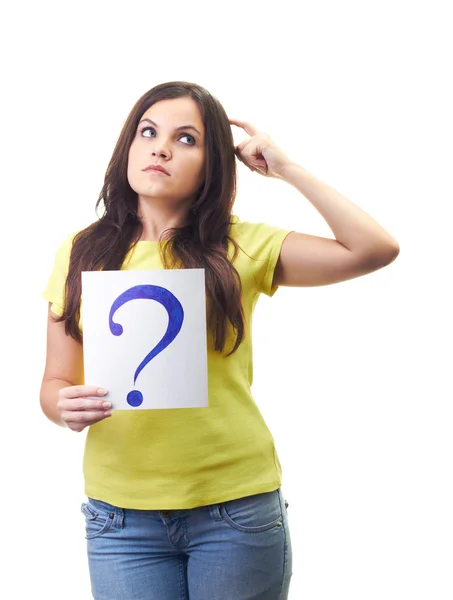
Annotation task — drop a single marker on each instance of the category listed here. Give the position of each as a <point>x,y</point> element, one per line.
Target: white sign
<point>144,337</point>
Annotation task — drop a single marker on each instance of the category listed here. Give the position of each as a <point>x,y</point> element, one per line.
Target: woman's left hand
<point>259,153</point>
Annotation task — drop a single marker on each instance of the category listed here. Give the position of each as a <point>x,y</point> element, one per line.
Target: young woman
<point>187,503</point>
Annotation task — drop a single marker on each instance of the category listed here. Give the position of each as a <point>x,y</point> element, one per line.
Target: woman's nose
<point>161,149</point>
<point>164,153</point>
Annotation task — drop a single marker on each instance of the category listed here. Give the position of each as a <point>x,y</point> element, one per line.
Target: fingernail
<point>102,391</point>
<point>106,405</point>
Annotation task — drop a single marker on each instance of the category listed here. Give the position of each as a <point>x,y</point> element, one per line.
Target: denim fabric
<point>235,550</point>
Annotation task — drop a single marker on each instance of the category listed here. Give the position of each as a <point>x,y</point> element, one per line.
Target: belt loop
<point>118,518</point>
<point>214,510</point>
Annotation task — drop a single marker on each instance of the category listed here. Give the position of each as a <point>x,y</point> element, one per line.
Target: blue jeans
<point>235,550</point>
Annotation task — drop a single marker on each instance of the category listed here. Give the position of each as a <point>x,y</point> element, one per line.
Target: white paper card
<point>149,326</point>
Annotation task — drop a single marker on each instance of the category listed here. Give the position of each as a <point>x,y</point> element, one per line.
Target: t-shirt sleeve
<point>264,243</point>
<point>54,291</point>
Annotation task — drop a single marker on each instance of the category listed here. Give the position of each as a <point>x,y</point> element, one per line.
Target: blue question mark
<point>175,320</point>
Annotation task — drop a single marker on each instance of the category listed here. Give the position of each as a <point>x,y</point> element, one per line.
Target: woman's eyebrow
<point>177,128</point>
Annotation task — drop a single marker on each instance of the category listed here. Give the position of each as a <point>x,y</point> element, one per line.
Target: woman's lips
<point>156,169</point>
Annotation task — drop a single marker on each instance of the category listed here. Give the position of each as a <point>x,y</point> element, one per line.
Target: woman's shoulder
<point>254,232</point>
<point>240,228</point>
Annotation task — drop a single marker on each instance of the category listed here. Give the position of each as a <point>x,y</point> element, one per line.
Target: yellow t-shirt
<point>183,458</point>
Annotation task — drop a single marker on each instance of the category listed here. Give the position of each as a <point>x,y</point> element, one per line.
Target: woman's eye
<point>149,129</point>
<point>191,139</point>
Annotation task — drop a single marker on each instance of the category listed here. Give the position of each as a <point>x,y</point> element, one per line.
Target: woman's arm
<point>361,245</point>
<point>64,367</point>
<point>65,400</point>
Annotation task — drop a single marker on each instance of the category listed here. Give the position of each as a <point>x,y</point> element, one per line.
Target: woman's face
<point>171,135</point>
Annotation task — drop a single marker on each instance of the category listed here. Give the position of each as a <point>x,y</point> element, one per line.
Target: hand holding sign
<point>79,409</point>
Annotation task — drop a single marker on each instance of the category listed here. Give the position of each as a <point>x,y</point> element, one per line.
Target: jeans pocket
<point>97,521</point>
<point>253,514</point>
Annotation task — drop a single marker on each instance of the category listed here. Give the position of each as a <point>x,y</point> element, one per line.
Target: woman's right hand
<point>82,405</point>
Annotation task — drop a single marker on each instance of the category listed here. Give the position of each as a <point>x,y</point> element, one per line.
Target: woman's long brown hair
<point>201,243</point>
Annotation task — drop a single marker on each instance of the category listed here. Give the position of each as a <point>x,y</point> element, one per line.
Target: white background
<point>353,379</point>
